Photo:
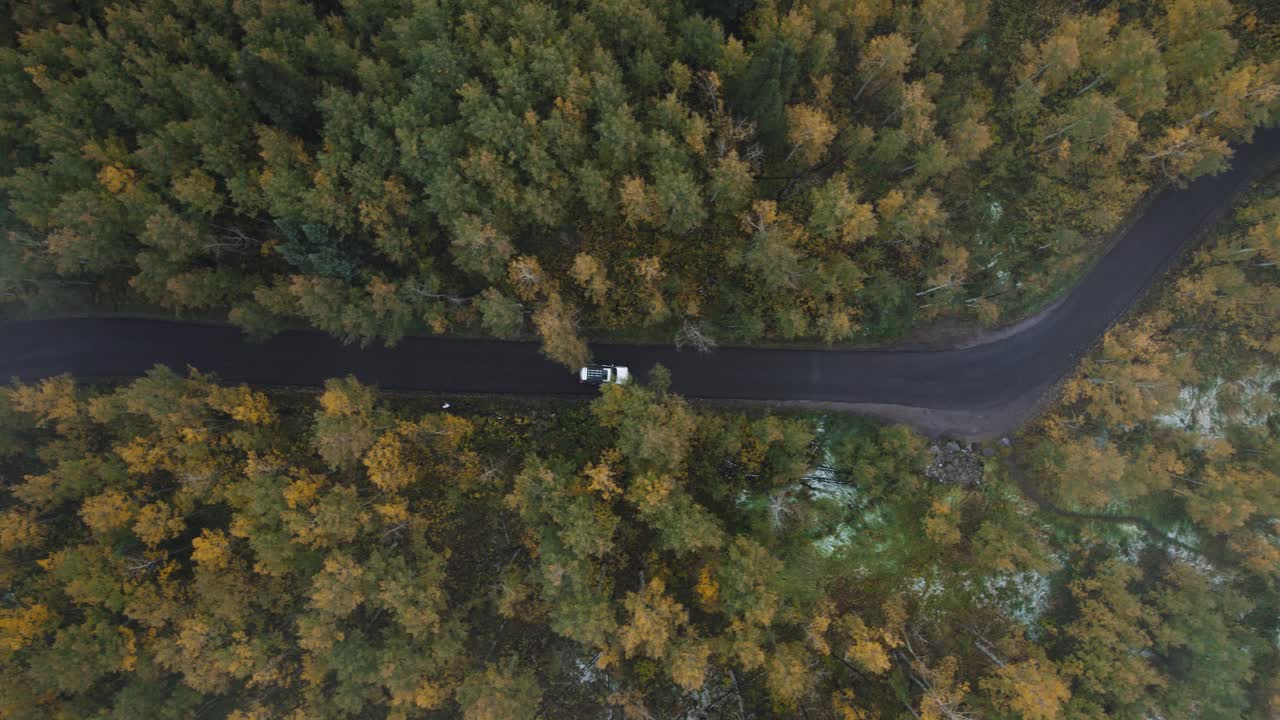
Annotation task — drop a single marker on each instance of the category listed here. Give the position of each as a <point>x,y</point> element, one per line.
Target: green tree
<point>479,248</point>
<point>654,429</point>
<point>884,62</point>
<point>502,316</point>
<point>347,422</point>
<point>501,691</point>
<point>942,27</point>
<point>1107,636</point>
<point>1199,644</point>
<point>730,185</point>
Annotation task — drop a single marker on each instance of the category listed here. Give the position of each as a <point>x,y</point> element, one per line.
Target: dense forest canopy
<point>175,547</point>
<point>736,171</point>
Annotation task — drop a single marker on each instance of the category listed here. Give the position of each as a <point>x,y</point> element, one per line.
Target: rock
<point>1005,441</point>
<point>954,465</point>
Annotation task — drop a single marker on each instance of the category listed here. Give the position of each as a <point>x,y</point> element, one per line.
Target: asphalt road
<point>988,380</point>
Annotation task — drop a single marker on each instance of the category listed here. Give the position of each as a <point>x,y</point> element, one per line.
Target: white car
<point>601,374</point>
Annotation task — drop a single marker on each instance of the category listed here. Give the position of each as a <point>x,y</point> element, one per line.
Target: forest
<point>692,172</point>
<point>175,547</point>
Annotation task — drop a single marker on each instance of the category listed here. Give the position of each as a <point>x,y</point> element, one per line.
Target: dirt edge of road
<point>977,425</point>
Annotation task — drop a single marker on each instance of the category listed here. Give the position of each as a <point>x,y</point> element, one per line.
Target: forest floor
<point>1032,493</point>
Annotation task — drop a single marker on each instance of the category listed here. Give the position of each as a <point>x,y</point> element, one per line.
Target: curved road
<point>975,391</point>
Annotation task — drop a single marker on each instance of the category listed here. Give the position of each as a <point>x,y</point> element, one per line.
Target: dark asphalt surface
<point>984,377</point>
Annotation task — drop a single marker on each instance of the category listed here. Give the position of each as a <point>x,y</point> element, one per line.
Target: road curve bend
<point>976,391</point>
